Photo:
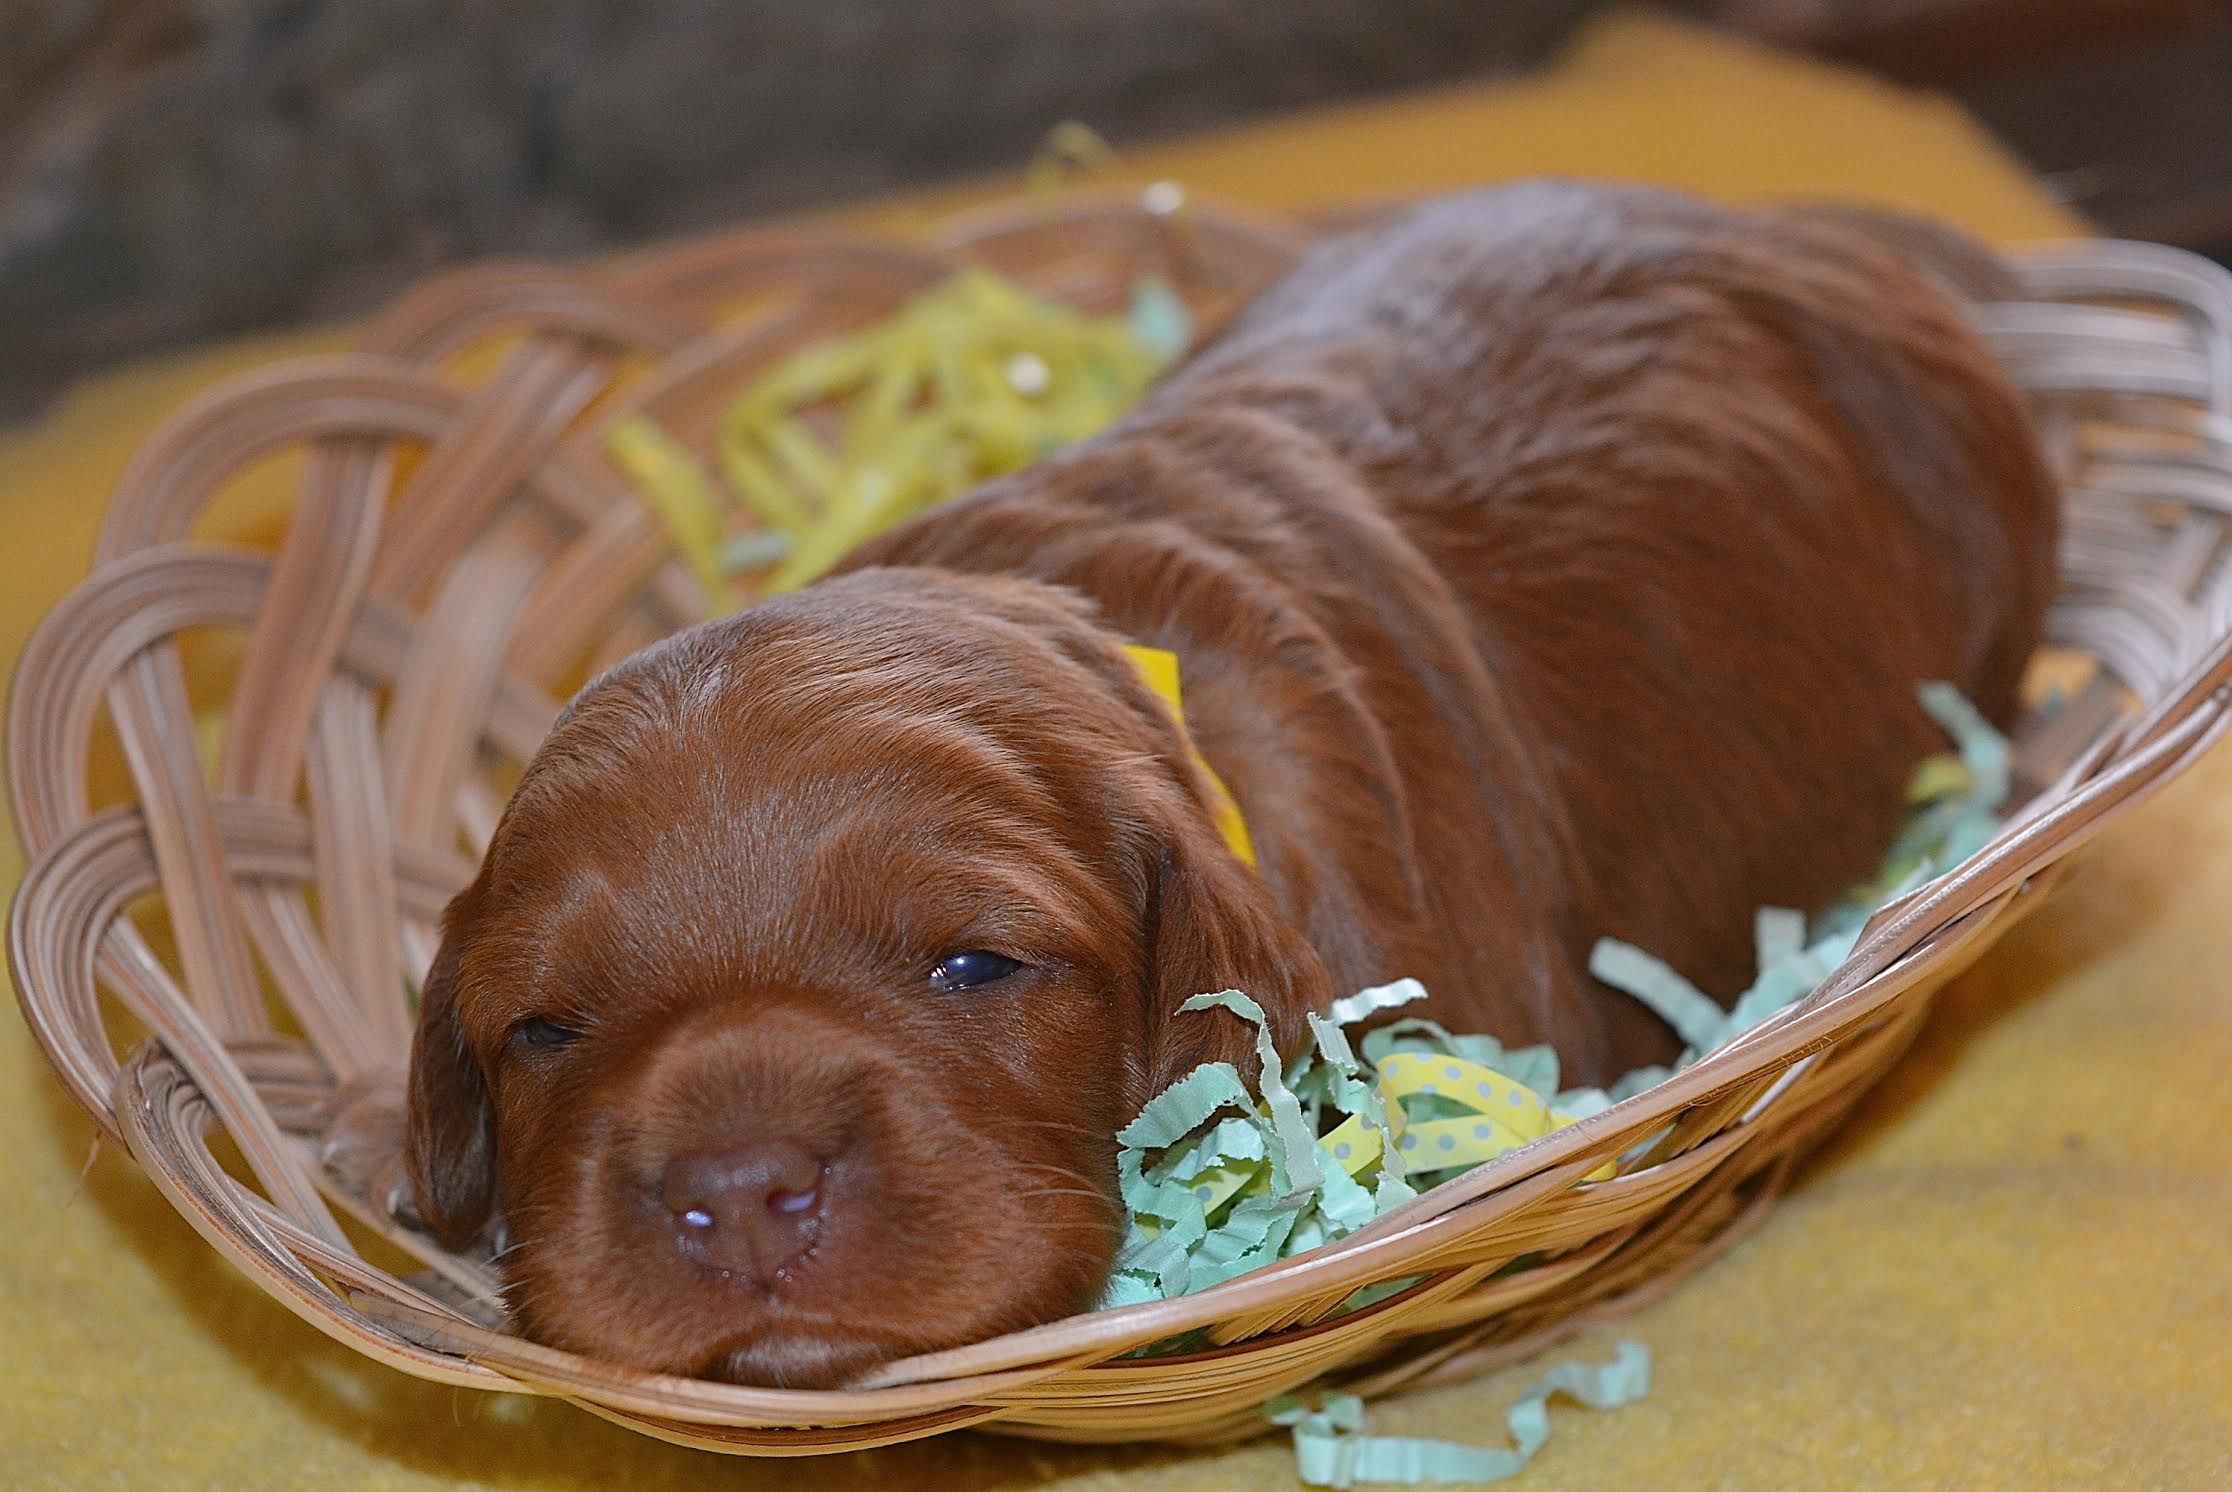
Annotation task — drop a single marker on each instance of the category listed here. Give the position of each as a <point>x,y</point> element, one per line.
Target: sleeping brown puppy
<point>1551,563</point>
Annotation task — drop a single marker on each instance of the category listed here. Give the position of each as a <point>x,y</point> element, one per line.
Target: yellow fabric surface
<point>2014,1270</point>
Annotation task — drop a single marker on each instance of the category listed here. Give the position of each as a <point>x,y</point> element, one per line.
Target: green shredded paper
<point>1219,1178</point>
<point>1331,1450</point>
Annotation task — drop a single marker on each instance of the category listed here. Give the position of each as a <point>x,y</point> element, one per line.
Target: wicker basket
<point>459,552</point>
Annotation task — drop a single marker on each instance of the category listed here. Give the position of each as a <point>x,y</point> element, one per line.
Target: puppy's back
<point>1719,489</point>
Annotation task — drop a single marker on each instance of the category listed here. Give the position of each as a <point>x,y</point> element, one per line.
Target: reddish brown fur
<point>1556,562</point>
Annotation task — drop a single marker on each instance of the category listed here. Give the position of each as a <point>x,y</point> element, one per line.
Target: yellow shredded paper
<point>971,380</point>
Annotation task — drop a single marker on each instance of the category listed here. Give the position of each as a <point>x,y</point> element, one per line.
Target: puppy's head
<point>813,966</point>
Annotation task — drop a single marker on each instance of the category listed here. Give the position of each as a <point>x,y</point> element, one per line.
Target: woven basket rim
<point>2119,342</point>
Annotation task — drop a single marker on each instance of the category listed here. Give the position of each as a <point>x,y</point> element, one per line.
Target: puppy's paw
<point>362,1149</point>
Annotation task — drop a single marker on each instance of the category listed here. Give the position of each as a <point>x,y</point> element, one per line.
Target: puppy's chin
<point>763,1349</point>
<point>797,1359</point>
<point>732,1334</point>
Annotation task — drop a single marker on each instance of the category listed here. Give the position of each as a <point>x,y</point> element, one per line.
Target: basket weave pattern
<point>460,551</point>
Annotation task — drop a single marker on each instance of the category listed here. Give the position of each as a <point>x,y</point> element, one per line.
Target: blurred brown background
<point>176,169</point>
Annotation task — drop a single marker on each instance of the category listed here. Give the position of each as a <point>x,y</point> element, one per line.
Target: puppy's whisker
<point>1057,1125</point>
<point>1058,1173</point>
<point>1038,1196</point>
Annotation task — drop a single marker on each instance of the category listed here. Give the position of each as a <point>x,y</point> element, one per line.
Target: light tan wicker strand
<point>460,552</point>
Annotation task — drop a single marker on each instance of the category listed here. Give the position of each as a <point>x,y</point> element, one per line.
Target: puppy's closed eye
<point>540,1033</point>
<point>972,968</point>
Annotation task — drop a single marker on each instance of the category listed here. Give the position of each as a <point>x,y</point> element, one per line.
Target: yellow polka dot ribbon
<point>1500,1116</point>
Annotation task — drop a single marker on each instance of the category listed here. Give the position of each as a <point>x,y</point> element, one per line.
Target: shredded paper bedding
<point>1219,1178</point>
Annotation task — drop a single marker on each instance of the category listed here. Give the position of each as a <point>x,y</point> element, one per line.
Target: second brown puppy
<point>1552,563</point>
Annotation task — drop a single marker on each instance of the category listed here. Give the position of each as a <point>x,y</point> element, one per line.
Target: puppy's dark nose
<point>752,1209</point>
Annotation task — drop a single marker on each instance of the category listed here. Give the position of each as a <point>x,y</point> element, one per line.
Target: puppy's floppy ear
<point>449,1134</point>
<point>1212,924</point>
